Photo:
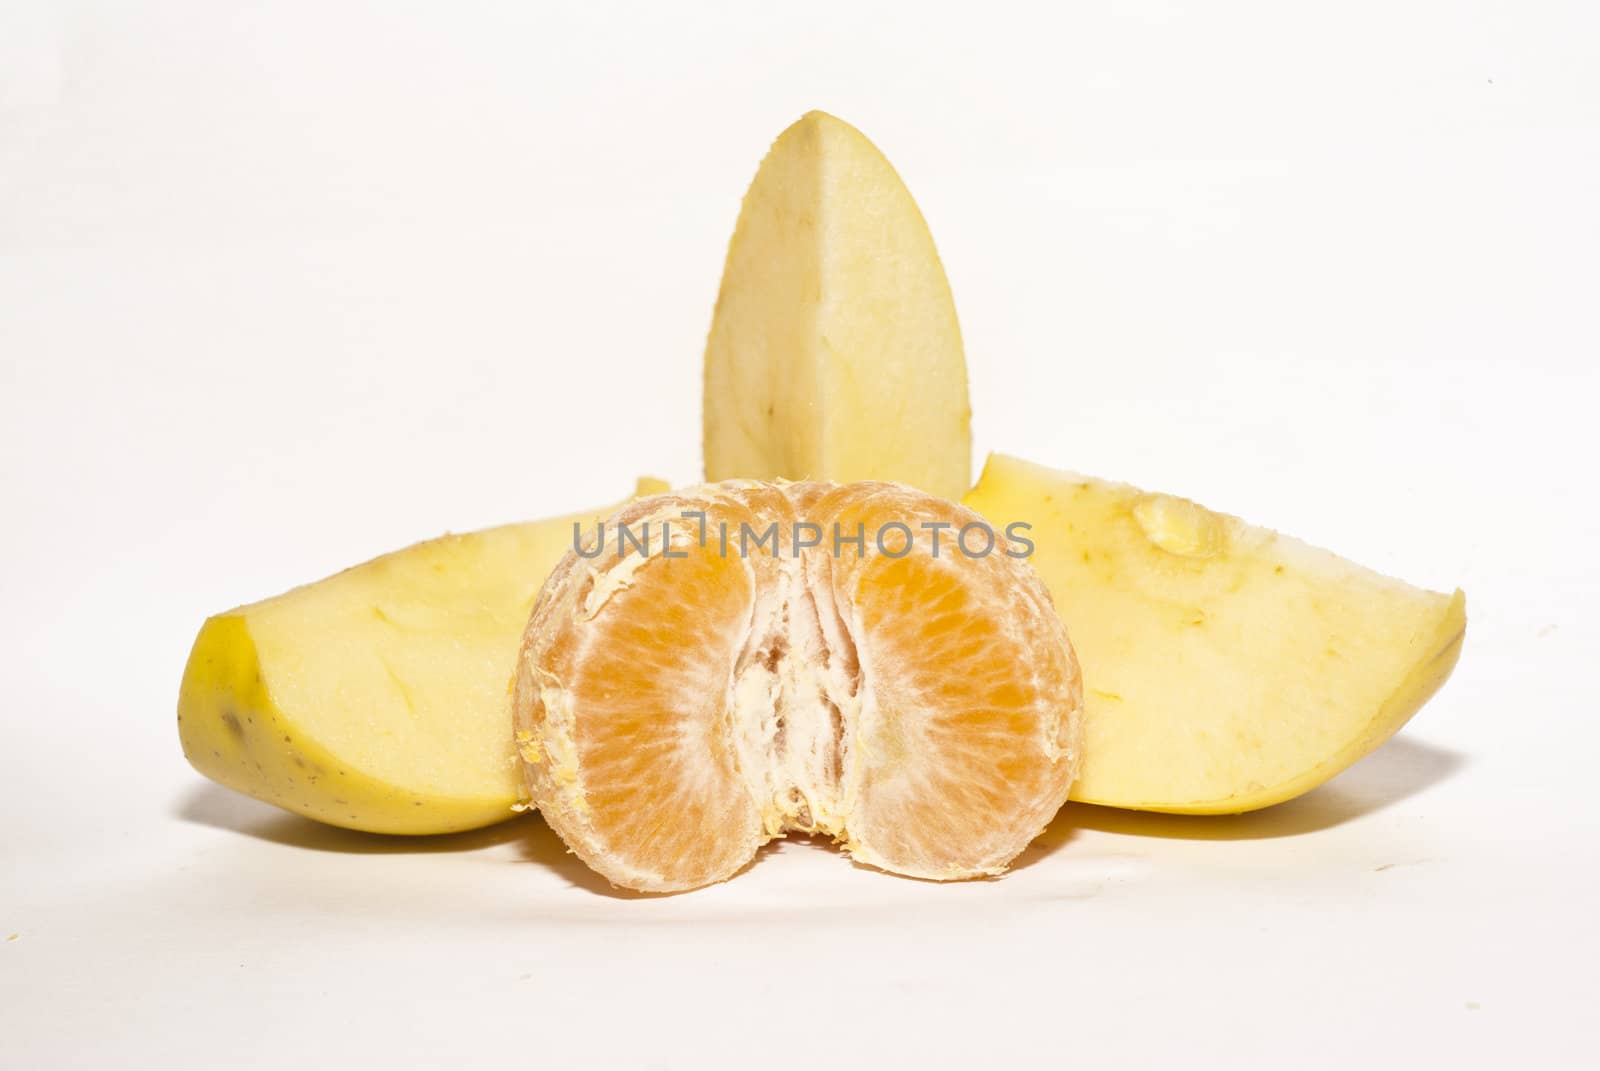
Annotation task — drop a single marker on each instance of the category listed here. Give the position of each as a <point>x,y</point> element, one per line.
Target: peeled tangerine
<point>834,352</point>
<point>679,704</point>
<point>1227,667</point>
<point>376,699</point>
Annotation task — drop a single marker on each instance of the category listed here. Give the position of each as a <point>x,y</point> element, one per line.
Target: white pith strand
<point>792,753</point>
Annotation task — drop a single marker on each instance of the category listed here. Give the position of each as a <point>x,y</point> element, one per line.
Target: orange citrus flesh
<point>679,704</point>
<point>971,727</point>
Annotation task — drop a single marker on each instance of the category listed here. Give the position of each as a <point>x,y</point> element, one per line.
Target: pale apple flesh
<point>834,352</point>
<point>1226,667</point>
<point>377,699</point>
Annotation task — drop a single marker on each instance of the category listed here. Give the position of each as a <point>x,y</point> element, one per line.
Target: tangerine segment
<point>622,710</point>
<point>678,704</point>
<point>967,734</point>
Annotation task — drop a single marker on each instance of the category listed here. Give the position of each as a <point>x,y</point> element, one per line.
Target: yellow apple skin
<point>234,733</point>
<point>377,699</point>
<point>1226,667</point>
<point>835,352</point>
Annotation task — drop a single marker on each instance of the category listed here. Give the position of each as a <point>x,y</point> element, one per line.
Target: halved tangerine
<point>796,657</point>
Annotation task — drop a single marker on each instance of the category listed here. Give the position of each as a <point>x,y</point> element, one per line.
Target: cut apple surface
<point>834,352</point>
<point>1226,667</point>
<point>377,699</point>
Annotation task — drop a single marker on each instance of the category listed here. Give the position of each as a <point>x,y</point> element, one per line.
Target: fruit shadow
<point>221,808</point>
<point>1400,768</point>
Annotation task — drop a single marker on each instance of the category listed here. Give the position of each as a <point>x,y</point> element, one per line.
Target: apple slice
<point>377,699</point>
<point>1226,667</point>
<point>834,352</point>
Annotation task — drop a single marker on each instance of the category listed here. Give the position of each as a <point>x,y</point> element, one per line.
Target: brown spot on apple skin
<point>231,722</point>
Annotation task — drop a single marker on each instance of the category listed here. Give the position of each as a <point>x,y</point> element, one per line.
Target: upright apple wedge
<point>834,352</point>
<point>1225,667</point>
<point>377,699</point>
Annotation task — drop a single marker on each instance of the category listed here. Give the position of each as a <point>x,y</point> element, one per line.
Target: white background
<point>283,286</point>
